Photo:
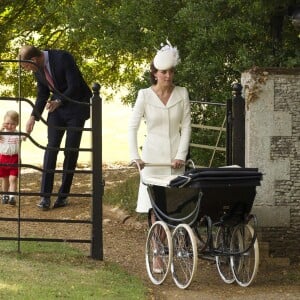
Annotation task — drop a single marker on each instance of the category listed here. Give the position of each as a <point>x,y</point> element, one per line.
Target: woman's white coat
<point>167,136</point>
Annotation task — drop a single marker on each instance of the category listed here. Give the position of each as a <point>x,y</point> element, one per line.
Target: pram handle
<point>157,165</point>
<point>135,161</point>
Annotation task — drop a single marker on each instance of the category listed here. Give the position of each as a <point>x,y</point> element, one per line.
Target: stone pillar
<point>272,143</point>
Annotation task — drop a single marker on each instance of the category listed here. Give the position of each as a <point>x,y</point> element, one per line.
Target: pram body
<point>213,207</point>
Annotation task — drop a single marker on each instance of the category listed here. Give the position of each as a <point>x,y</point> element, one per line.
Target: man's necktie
<point>49,78</point>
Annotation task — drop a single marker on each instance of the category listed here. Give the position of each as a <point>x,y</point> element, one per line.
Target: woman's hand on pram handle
<point>138,163</point>
<point>177,163</point>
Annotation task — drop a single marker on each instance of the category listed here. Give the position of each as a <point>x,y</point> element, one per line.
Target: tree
<point>42,23</point>
<point>114,40</point>
<point>217,39</point>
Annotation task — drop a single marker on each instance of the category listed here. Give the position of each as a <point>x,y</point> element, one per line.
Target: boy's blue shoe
<point>5,199</point>
<point>12,200</point>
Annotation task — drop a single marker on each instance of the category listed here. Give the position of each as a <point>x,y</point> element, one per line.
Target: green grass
<point>58,271</point>
<point>46,270</point>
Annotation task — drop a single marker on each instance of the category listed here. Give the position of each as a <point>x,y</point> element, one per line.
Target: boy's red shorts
<point>6,171</point>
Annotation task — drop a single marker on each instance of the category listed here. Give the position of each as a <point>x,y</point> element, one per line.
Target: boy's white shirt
<point>9,144</point>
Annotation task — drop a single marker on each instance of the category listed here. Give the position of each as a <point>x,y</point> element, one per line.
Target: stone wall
<point>272,133</point>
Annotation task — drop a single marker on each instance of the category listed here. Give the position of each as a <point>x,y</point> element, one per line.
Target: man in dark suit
<point>62,90</point>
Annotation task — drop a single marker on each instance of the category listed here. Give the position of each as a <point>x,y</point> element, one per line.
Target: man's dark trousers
<point>55,136</point>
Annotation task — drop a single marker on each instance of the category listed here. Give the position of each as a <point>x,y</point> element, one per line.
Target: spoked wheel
<point>158,252</point>
<point>203,231</point>
<point>244,265</point>
<point>222,244</point>
<point>185,257</point>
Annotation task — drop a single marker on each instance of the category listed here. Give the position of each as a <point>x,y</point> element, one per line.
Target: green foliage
<point>114,41</point>
<point>213,116</point>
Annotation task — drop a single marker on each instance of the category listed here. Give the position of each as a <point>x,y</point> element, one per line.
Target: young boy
<point>9,154</point>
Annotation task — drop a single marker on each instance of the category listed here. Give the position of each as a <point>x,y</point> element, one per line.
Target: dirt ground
<point>124,239</point>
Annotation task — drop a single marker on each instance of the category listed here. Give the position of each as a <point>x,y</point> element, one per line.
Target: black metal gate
<point>92,219</point>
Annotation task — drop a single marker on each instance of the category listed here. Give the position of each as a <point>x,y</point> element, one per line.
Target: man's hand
<point>1,129</point>
<point>30,124</point>
<point>53,105</point>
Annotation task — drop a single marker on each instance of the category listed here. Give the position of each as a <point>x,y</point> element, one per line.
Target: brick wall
<point>272,99</point>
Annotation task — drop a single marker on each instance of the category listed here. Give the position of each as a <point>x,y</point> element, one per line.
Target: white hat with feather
<point>167,57</point>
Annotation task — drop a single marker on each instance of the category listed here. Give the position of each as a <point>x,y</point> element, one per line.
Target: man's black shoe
<point>44,204</point>
<point>60,202</point>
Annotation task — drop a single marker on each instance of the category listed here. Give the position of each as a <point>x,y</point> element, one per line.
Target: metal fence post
<point>238,126</point>
<point>229,132</point>
<point>97,182</point>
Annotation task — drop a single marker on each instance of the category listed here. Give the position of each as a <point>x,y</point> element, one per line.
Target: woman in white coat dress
<point>166,110</point>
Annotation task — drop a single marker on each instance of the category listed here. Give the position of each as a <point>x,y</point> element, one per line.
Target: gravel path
<point>124,243</point>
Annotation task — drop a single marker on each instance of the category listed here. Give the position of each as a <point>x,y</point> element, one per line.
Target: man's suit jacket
<point>69,84</point>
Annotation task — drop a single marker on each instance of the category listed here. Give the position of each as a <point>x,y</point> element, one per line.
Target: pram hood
<point>214,177</point>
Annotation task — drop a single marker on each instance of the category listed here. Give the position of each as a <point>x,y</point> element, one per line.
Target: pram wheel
<point>222,245</point>
<point>185,256</point>
<point>244,265</point>
<point>158,252</point>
